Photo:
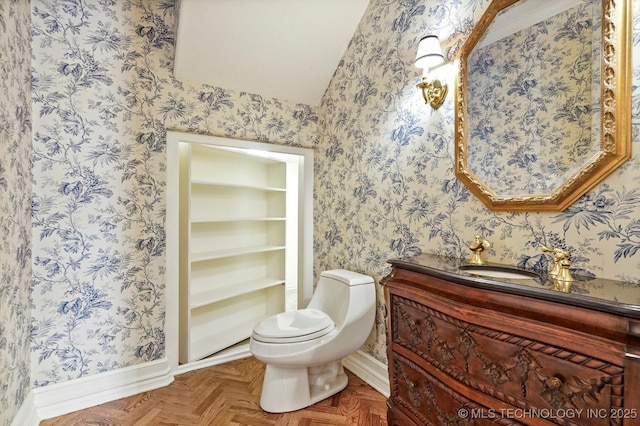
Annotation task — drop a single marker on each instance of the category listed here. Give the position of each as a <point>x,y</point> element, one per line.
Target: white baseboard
<point>73,395</point>
<point>27,414</point>
<point>370,370</point>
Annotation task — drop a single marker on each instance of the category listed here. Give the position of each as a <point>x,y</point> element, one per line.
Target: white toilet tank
<point>336,290</point>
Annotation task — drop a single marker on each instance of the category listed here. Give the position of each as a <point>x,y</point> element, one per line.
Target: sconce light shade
<point>430,55</point>
<point>429,52</point>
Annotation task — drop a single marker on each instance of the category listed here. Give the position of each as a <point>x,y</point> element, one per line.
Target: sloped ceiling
<point>287,49</point>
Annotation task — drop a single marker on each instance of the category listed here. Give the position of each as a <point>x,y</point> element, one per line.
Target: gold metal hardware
<point>477,247</point>
<point>560,273</point>
<point>428,56</point>
<point>434,92</point>
<point>558,256</point>
<point>553,383</point>
<point>614,142</point>
<point>563,280</point>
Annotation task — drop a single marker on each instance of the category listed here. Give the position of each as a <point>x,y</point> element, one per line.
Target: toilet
<point>303,349</point>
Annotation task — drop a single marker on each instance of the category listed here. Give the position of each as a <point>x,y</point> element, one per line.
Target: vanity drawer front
<point>432,402</point>
<point>522,372</point>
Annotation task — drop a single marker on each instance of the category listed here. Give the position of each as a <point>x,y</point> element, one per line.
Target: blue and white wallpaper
<point>15,206</point>
<point>512,150</point>
<point>103,95</point>
<point>385,184</point>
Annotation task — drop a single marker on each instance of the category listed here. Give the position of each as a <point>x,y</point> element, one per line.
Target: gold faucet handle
<point>559,257</point>
<point>477,247</point>
<point>479,244</point>
<point>558,254</point>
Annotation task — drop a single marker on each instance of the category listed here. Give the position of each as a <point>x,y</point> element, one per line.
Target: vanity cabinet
<point>467,351</point>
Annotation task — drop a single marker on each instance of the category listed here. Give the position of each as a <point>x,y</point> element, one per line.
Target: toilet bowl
<point>303,349</point>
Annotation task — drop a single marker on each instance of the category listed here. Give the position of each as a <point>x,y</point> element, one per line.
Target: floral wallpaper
<point>103,97</point>
<point>511,150</point>
<point>385,184</point>
<point>15,205</point>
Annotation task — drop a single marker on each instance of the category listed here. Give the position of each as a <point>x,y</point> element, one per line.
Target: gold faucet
<point>477,247</point>
<point>562,278</point>
<point>558,256</point>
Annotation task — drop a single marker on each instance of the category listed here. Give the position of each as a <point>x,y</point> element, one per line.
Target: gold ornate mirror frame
<point>615,119</point>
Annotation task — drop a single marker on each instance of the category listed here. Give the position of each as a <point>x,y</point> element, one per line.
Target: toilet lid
<point>294,326</point>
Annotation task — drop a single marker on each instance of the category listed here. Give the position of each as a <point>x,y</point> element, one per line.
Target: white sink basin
<point>499,272</point>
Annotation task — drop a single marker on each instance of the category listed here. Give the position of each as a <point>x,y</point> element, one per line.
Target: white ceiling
<point>287,49</point>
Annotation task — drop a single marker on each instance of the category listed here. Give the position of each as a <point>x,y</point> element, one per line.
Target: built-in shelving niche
<point>238,242</point>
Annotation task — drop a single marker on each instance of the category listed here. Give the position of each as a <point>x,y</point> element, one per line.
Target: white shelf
<point>227,201</point>
<point>236,219</point>
<point>220,254</point>
<point>217,326</point>
<point>238,186</point>
<point>211,164</point>
<point>228,291</point>
<point>208,344</point>
<point>239,240</point>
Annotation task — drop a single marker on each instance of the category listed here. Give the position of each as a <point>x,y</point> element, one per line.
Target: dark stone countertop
<point>616,297</point>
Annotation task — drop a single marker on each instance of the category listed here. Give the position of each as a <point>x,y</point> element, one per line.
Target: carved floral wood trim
<point>421,394</point>
<point>574,391</point>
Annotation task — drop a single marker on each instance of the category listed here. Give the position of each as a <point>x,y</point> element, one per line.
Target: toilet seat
<point>293,326</point>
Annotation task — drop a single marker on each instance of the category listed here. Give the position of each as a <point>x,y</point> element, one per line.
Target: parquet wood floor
<point>229,395</point>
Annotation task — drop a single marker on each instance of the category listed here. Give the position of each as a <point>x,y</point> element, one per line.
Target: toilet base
<point>288,389</point>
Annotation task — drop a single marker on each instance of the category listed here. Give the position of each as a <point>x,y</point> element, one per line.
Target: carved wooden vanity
<point>469,350</point>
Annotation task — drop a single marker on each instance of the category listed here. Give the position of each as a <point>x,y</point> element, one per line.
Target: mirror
<point>543,101</point>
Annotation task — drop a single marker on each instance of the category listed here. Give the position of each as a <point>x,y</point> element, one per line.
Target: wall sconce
<point>430,55</point>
